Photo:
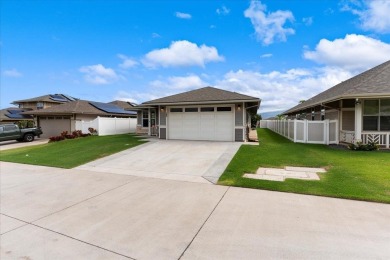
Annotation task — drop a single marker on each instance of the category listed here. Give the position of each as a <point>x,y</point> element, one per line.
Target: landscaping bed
<point>70,153</point>
<point>359,175</point>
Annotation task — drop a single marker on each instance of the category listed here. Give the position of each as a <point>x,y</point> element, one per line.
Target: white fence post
<point>326,131</point>
<point>295,130</point>
<point>305,131</point>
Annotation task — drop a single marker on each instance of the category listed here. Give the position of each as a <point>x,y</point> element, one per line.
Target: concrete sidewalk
<point>49,213</point>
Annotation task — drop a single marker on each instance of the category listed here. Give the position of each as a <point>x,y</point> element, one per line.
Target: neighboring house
<point>202,114</point>
<point>63,117</point>
<point>361,105</point>
<point>123,104</point>
<point>12,115</point>
<point>43,101</point>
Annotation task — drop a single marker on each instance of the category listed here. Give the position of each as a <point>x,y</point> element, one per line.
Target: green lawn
<point>72,152</point>
<point>351,174</point>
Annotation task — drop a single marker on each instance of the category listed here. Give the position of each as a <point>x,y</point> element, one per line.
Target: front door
<point>153,126</point>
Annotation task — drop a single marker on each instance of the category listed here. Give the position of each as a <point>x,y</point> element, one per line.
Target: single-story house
<point>126,105</point>
<point>361,105</point>
<point>63,117</point>
<point>203,114</point>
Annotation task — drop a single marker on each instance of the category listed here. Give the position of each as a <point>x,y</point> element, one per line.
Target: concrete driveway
<point>194,161</point>
<point>49,213</point>
<point>6,145</point>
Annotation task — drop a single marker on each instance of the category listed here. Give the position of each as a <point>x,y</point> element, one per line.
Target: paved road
<point>50,213</point>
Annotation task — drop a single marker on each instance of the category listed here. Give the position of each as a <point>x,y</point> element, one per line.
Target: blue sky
<point>279,51</point>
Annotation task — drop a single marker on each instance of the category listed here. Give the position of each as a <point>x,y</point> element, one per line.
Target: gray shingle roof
<point>46,98</point>
<point>206,94</point>
<point>73,107</point>
<point>375,81</point>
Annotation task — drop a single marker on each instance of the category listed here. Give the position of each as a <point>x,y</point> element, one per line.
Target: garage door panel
<point>54,127</point>
<point>210,126</point>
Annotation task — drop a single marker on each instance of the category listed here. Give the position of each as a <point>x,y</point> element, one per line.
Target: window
<point>176,110</point>
<point>39,105</point>
<point>224,109</point>
<point>10,128</point>
<point>191,109</point>
<point>145,118</point>
<point>376,115</point>
<point>207,109</point>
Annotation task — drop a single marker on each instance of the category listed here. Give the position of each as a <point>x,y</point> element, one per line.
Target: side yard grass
<point>351,174</point>
<point>71,152</point>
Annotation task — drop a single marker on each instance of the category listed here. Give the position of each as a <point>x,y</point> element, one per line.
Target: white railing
<point>380,138</point>
<point>108,125</point>
<point>304,131</point>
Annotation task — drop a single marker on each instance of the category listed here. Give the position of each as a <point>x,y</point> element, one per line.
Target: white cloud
<point>12,73</point>
<point>269,26</point>
<point>307,21</point>
<point>223,10</point>
<point>354,52</point>
<point>134,96</point>
<point>180,83</point>
<point>182,53</point>
<point>373,14</point>
<point>156,35</point>
<point>266,55</point>
<point>183,15</point>
<point>98,74</point>
<point>127,62</point>
<point>282,90</point>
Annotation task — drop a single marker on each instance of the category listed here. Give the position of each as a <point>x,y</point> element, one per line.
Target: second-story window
<point>39,105</point>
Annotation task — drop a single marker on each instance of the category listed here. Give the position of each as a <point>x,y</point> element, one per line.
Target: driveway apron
<point>193,161</point>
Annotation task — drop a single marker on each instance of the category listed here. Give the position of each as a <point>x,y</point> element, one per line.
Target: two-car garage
<point>211,123</point>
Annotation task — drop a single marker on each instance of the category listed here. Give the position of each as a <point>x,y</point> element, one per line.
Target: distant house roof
<point>13,114</point>
<point>206,94</point>
<point>373,82</point>
<point>123,104</point>
<point>83,107</point>
<point>54,98</point>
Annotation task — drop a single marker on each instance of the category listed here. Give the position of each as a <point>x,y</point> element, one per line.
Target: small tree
<point>25,124</point>
<point>254,119</point>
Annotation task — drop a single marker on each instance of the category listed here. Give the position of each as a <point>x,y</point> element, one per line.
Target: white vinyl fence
<point>108,125</point>
<point>304,131</point>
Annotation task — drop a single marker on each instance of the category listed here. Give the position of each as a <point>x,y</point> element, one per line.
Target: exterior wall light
<point>358,101</point>
<point>239,107</point>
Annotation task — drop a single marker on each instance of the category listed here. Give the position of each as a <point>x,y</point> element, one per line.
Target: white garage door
<point>201,123</point>
<point>54,126</point>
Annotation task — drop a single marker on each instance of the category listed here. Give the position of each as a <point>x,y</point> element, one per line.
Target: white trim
<point>197,103</point>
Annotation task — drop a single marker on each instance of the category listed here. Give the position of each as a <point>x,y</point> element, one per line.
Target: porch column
<point>149,132</point>
<point>358,121</point>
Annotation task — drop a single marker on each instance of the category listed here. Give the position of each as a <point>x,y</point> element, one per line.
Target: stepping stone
<point>304,169</point>
<point>264,177</point>
<point>290,174</point>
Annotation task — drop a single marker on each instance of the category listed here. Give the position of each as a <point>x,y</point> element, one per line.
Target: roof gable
<point>206,94</point>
